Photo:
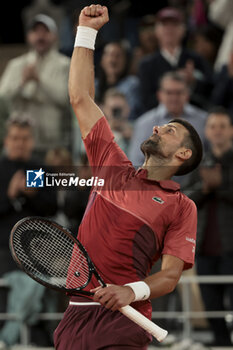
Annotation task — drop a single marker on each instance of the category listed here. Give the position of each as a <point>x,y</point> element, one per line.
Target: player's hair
<point>192,141</point>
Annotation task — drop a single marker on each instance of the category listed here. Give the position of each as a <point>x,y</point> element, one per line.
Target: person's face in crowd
<point>169,33</point>
<point>174,95</point>
<point>116,107</point>
<point>19,143</point>
<point>147,39</point>
<point>166,143</point>
<point>113,60</point>
<point>218,130</point>
<point>205,48</point>
<point>41,39</point>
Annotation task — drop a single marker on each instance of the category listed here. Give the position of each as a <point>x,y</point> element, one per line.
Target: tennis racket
<point>49,254</point>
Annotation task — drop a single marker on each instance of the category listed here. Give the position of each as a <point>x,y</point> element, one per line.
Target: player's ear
<point>184,153</point>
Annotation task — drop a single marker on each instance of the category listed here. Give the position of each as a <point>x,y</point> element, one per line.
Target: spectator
<point>147,42</point>
<point>223,88</point>
<point>37,83</point>
<point>47,7</point>
<point>211,188</point>
<point>207,40</point>
<point>221,13</point>
<point>16,200</point>
<point>117,111</point>
<point>170,30</point>
<point>125,17</point>
<point>113,72</point>
<point>173,97</point>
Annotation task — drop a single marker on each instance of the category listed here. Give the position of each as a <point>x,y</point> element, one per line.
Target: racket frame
<point>159,333</point>
<point>91,267</point>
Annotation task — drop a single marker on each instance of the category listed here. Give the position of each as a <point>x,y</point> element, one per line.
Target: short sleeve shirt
<point>131,221</point>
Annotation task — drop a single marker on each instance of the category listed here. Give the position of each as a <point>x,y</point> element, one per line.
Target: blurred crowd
<point>153,62</point>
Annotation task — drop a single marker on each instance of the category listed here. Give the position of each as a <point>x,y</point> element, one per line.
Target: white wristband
<point>85,37</point>
<point>140,289</point>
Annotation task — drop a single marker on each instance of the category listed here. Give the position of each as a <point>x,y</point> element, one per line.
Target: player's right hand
<point>94,16</point>
<point>113,297</point>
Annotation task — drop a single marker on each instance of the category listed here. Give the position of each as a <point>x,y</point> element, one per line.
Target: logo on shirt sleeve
<point>158,200</point>
<point>193,241</point>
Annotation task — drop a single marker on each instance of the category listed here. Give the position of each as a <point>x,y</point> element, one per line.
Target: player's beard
<point>152,147</point>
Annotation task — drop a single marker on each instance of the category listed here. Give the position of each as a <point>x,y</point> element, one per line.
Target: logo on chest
<point>158,200</point>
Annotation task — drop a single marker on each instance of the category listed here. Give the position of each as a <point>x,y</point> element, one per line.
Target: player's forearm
<point>165,281</point>
<point>81,77</point>
<point>161,283</point>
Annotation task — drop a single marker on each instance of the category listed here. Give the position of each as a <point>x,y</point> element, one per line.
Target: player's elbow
<point>171,287</point>
<point>172,283</point>
<point>77,99</point>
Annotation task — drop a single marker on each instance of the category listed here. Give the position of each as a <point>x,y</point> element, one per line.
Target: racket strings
<point>50,255</point>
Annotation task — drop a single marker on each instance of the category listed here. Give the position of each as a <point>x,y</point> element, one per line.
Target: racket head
<point>50,254</point>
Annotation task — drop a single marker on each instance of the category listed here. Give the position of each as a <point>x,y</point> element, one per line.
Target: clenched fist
<point>94,16</point>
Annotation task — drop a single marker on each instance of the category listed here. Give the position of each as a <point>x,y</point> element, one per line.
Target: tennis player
<point>139,217</point>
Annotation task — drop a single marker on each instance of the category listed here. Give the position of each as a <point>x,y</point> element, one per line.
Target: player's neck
<point>158,170</point>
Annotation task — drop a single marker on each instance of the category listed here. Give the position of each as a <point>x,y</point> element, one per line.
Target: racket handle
<point>149,326</point>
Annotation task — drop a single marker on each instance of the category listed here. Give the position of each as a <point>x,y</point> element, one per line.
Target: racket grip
<point>149,326</point>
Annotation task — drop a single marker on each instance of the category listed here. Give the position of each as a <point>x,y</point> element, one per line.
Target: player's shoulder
<point>186,203</point>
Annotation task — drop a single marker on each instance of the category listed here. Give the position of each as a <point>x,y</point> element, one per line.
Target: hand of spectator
<point>211,177</point>
<point>230,65</point>
<point>94,16</point>
<point>30,73</point>
<point>17,186</point>
<point>27,191</point>
<point>188,72</point>
<point>16,183</point>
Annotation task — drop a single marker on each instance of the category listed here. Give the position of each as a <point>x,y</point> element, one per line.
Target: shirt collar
<point>172,59</point>
<point>165,184</point>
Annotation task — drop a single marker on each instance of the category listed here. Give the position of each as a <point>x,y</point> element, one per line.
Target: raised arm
<point>81,77</point>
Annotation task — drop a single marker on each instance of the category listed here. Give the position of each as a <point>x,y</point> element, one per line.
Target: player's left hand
<point>113,297</point>
<point>94,16</point>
